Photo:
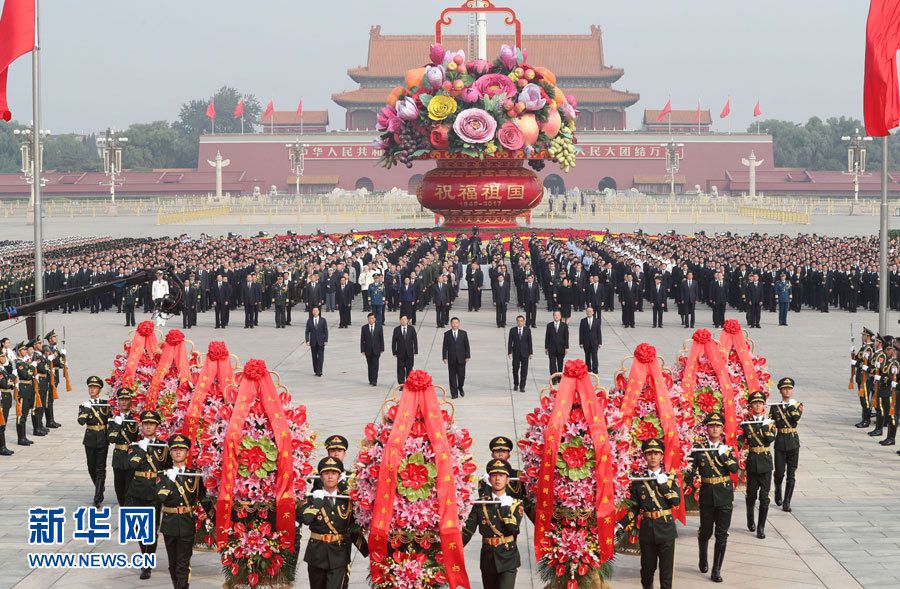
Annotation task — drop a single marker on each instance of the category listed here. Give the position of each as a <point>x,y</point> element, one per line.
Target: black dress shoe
<point>887,442</point>
<point>462,393</point>
<point>522,389</point>
<point>453,396</point>
<point>6,452</point>
<point>145,574</point>
<point>39,432</point>
<point>54,425</point>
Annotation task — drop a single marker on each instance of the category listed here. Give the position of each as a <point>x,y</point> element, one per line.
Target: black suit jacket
<point>371,342</point>
<point>595,299</point>
<point>251,294</point>
<point>501,292</point>
<point>317,337</point>
<point>629,296</point>
<point>456,351</point>
<point>441,294</point>
<point>661,298</point>
<point>221,294</point>
<point>405,347</point>
<point>590,337</point>
<point>689,292</point>
<point>531,295</point>
<point>519,346</point>
<point>718,295</point>
<point>556,341</point>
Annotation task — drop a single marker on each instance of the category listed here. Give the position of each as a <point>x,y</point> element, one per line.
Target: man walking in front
<point>456,354</point>
<point>371,345</point>
<point>590,339</point>
<point>404,347</point>
<point>556,342</point>
<point>316,339</point>
<point>519,350</point>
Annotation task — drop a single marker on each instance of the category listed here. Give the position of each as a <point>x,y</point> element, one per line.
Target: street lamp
<point>297,157</point>
<point>110,149</point>
<point>672,159</point>
<point>26,138</point>
<point>856,159</point>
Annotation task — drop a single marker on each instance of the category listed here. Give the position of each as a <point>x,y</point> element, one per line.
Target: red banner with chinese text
<point>144,341</point>
<point>173,352</point>
<point>733,338</point>
<point>216,371</point>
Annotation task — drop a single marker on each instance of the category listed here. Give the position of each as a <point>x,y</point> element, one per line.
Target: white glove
<point>506,501</point>
<point>144,444</point>
<point>722,450</point>
<point>63,351</point>
<point>318,494</point>
<point>767,421</point>
<point>866,367</point>
<point>487,479</point>
<point>792,402</point>
<point>662,478</point>
<point>118,419</point>
<point>34,363</point>
<point>87,404</point>
<point>877,377</point>
<point>172,473</point>
<point>50,358</point>
<point>852,362</point>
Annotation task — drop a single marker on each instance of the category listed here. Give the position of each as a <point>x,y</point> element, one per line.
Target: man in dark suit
<point>313,293</point>
<point>590,339</point>
<point>251,295</point>
<point>752,297</point>
<point>501,299</point>
<point>190,298</point>
<point>371,345</point>
<point>316,339</point>
<point>456,354</point>
<point>344,300</point>
<point>519,349</point>
<point>595,294</point>
<point>404,346</point>
<point>442,298</point>
<point>689,296</point>
<point>718,298</point>
<point>629,295</point>
<point>531,296</point>
<point>474,282</point>
<point>556,342</point>
<point>659,299</point>
<point>221,294</point>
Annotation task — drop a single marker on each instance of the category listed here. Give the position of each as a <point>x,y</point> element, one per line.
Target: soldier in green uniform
<point>129,300</point>
<point>786,416</point>
<point>654,499</point>
<point>498,522</point>
<point>860,363</point>
<point>878,360</point>
<point>122,431</point>
<point>329,516</point>
<point>94,414</point>
<point>7,386</point>
<point>146,458</point>
<point>280,295</point>
<point>715,464</point>
<point>180,492</point>
<point>758,432</point>
<point>887,386</point>
<point>336,446</point>
<point>24,372</point>
<point>501,448</point>
<point>41,375</point>
<point>56,357</point>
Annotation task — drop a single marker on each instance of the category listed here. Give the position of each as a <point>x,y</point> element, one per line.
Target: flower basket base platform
<point>593,582</point>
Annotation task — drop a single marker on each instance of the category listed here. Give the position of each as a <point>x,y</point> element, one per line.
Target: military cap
<point>336,442</point>
<point>652,445</point>
<point>95,381</point>
<point>867,331</point>
<point>499,466</point>
<point>21,346</point>
<point>714,418</point>
<point>52,333</point>
<point>30,343</point>
<point>179,441</point>
<point>756,396</point>
<point>786,382</point>
<point>330,463</point>
<point>125,393</point>
<point>150,416</point>
<point>500,443</point>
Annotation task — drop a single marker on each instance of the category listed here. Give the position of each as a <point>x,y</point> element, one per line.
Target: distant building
<point>682,121</point>
<point>287,121</point>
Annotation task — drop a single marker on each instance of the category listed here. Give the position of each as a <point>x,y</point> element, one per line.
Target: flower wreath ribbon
<point>704,344</point>
<point>217,368</point>
<point>732,338</point>
<point>419,395</point>
<point>175,352</point>
<point>576,386</point>
<point>144,341</point>
<point>256,383</point>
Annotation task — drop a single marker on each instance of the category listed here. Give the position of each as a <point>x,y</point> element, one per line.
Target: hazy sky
<point>114,62</point>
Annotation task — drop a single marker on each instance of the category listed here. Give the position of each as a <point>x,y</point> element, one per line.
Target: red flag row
<point>726,110</point>
<point>238,109</point>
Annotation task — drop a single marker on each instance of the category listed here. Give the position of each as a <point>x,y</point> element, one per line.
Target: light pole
<point>110,148</point>
<point>297,157</point>
<point>672,159</point>
<point>856,159</point>
<point>26,139</point>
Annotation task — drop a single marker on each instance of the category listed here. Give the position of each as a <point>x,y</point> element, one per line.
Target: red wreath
<point>145,328</point>
<point>701,336</point>
<point>575,369</point>
<point>217,351</point>
<point>645,353</point>
<point>174,337</point>
<point>732,326</point>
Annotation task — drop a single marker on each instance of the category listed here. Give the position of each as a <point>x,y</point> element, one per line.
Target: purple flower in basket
<point>434,75</point>
<point>388,120</point>
<point>508,56</point>
<point>407,109</point>
<point>436,54</point>
<point>475,125</point>
<point>531,96</point>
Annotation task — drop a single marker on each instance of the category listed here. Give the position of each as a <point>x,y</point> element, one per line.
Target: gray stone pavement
<point>844,531</point>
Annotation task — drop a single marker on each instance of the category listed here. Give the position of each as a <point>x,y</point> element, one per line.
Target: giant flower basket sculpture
<point>413,490</point>
<point>570,472</point>
<point>703,379</point>
<point>646,405</point>
<point>264,456</point>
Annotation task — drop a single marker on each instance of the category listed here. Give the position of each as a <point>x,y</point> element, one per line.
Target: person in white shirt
<point>159,291</point>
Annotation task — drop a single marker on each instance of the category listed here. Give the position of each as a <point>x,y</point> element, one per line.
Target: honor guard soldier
<point>786,416</point>
<point>501,448</point>
<point>147,458</point>
<point>878,360</point>
<point>497,519</point>
<point>41,375</point>
<point>56,357</point>
<point>94,414</point>
<point>758,432</point>
<point>860,365</point>
<point>654,499</point>
<point>7,388</point>
<point>122,431</point>
<point>329,516</point>
<point>336,446</point>
<point>181,492</point>
<point>24,372</point>
<point>715,464</point>
<point>281,297</point>
<point>887,390</point>
<point>129,299</point>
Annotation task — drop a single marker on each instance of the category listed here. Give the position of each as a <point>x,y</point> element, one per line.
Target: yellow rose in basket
<point>440,107</point>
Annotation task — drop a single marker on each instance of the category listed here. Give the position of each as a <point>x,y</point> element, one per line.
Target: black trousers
<point>457,377</point>
<point>280,316</point>
<point>628,315</point>
<point>753,313</point>
<point>519,370</point>
<point>96,464</point>
<point>328,578</point>
<point>786,460</point>
<point>491,579</point>
<point>590,358</point>
<point>344,311</point>
<point>318,358</point>
<point>121,479</point>
<point>404,367</point>
<point>718,313</point>
<point>136,502</point>
<point>531,315</point>
<point>653,553</point>
<point>714,520</point>
<point>443,315</point>
<point>188,318</point>
<point>689,309</point>
<point>657,316</point>
<point>556,362</point>
<point>474,299</point>
<point>220,314</point>
<point>179,550</point>
<point>27,405</point>
<point>129,315</point>
<point>501,314</point>
<point>251,315</point>
<point>372,363</point>
<point>287,311</point>
<point>758,485</point>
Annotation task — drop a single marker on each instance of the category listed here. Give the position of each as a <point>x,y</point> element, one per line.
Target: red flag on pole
<point>667,109</point>
<point>881,98</point>
<point>270,110</point>
<point>757,111</point>
<point>211,109</point>
<point>726,110</point>
<point>239,109</point>
<point>16,39</point>
<point>300,109</point>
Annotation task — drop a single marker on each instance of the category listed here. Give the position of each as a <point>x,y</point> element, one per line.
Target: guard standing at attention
<point>860,365</point>
<point>94,414</point>
<point>24,372</point>
<point>786,416</point>
<point>758,432</point>
<point>122,431</point>
<point>7,388</point>
<point>878,359</point>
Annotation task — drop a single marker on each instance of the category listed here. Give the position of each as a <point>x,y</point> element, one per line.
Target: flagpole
<point>883,254</point>
<point>242,122</point>
<point>37,169</point>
